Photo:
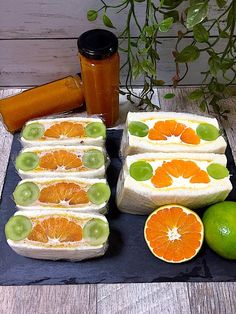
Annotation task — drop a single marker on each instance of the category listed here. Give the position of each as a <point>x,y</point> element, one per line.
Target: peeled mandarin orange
<point>60,192</point>
<point>65,129</point>
<point>178,168</point>
<point>59,158</point>
<point>56,228</point>
<point>164,129</point>
<point>174,233</point>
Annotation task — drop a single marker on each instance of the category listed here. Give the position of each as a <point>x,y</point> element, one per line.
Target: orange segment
<point>60,158</point>
<point>66,129</point>
<point>56,228</point>
<point>178,168</point>
<point>71,193</point>
<point>161,178</point>
<point>189,136</point>
<point>178,237</point>
<point>164,129</point>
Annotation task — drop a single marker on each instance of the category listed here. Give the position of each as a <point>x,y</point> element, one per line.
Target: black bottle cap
<point>97,44</point>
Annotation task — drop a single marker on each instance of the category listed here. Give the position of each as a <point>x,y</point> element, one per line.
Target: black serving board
<point>127,260</point>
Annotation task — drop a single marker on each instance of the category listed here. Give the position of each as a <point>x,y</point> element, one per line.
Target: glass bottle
<point>99,61</point>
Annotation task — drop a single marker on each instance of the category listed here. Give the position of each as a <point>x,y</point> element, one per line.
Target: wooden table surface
<point>218,297</point>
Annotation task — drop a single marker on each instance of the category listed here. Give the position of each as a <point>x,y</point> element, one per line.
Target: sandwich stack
<point>171,158</point>
<point>63,196</point>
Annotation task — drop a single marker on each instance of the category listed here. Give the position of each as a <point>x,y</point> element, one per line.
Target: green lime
<point>93,159</point>
<point>95,129</point>
<point>26,193</point>
<point>96,232</point>
<point>220,228</point>
<point>18,228</point>
<point>207,132</point>
<point>99,193</point>
<point>138,128</point>
<point>27,161</point>
<point>33,131</point>
<point>217,171</point>
<point>141,171</point>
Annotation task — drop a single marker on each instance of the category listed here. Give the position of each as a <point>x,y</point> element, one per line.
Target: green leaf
<point>223,34</point>
<point>214,63</point>
<point>221,3</point>
<point>203,106</point>
<point>158,82</point>
<point>107,22</point>
<point>230,17</point>
<point>197,13</point>
<point>200,33</point>
<point>188,54</point>
<point>149,30</point>
<point>92,15</point>
<point>226,64</point>
<point>136,69</point>
<point>148,67</point>
<point>166,24</point>
<point>169,96</point>
<point>196,94</point>
<point>174,14</point>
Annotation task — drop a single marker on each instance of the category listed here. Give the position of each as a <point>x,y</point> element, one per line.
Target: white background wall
<point>38,41</point>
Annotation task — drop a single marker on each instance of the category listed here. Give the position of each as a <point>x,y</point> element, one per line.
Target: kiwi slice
<point>99,193</point>
<point>95,129</point>
<point>96,232</point>
<point>27,161</point>
<point>33,131</point>
<point>93,159</point>
<point>18,228</point>
<point>26,193</point>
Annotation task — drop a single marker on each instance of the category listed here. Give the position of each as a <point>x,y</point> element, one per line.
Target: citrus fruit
<point>61,229</point>
<point>33,131</point>
<point>60,158</point>
<point>65,129</point>
<point>18,228</point>
<point>164,129</point>
<point>176,168</point>
<point>220,228</point>
<point>174,233</point>
<point>63,193</point>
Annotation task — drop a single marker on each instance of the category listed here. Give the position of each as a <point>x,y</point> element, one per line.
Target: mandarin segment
<point>66,129</point>
<point>63,191</point>
<point>178,168</point>
<point>56,228</point>
<point>183,235</point>
<point>60,158</point>
<point>189,136</point>
<point>164,129</point>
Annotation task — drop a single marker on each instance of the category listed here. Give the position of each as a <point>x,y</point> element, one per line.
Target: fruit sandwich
<point>79,195</point>
<point>64,131</point>
<point>61,161</point>
<point>193,180</point>
<point>171,132</point>
<point>57,235</point>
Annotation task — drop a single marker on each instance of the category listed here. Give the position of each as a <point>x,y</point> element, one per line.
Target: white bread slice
<point>142,197</point>
<point>79,150</point>
<point>47,123</point>
<point>131,144</point>
<point>80,208</point>
<point>35,250</point>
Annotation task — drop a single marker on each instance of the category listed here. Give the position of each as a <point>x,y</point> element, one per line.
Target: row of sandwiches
<point>63,194</point>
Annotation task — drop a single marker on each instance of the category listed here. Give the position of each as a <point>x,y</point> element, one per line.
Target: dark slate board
<point>127,260</point>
